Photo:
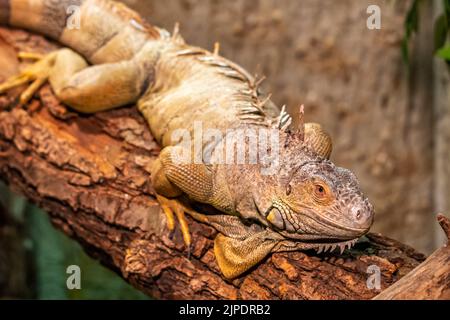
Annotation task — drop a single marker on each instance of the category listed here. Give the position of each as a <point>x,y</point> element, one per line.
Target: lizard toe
<point>36,74</point>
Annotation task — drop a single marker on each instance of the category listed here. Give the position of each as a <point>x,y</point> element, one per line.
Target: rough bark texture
<point>430,280</point>
<point>351,79</point>
<point>91,174</point>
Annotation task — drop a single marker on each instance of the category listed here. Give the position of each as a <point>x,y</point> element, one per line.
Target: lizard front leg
<point>238,247</point>
<point>171,179</point>
<point>85,88</point>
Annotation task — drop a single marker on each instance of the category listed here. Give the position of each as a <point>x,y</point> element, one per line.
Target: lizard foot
<point>172,208</point>
<point>36,74</point>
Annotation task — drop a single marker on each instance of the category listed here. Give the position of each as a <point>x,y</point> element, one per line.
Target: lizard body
<point>305,202</point>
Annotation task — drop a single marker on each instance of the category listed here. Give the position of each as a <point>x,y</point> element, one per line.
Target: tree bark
<point>430,280</point>
<point>91,174</point>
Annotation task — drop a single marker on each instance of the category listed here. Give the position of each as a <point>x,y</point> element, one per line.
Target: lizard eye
<point>321,193</point>
<point>319,190</point>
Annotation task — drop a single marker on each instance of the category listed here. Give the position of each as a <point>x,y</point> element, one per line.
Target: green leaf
<point>411,26</point>
<point>412,19</point>
<point>405,51</point>
<point>440,32</point>
<point>447,9</point>
<point>444,53</point>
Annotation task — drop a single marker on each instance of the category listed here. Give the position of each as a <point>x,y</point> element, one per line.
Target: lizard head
<point>313,200</point>
<point>320,204</point>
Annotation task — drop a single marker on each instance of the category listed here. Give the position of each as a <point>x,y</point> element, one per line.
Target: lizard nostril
<point>358,214</point>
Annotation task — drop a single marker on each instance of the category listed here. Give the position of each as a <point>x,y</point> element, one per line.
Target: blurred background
<point>383,95</point>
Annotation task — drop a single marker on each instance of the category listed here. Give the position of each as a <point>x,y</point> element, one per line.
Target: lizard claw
<point>172,208</point>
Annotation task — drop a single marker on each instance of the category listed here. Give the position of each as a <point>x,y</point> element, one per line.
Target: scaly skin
<point>306,202</point>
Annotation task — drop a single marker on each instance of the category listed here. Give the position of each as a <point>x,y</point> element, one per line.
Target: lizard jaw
<point>324,247</point>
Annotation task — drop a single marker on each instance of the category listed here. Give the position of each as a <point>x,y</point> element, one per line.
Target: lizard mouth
<point>313,227</point>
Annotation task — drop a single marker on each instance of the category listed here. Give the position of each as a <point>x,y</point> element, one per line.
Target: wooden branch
<point>430,280</point>
<point>91,174</point>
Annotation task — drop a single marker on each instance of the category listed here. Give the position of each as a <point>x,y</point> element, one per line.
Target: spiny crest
<point>310,136</point>
<point>248,100</point>
<point>300,133</point>
<point>284,121</point>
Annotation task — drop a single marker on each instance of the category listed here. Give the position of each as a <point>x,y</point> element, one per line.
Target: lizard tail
<point>101,30</point>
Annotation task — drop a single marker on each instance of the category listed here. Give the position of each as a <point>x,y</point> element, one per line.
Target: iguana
<point>114,58</point>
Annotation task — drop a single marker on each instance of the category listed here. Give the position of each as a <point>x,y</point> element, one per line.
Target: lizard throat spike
<point>330,247</point>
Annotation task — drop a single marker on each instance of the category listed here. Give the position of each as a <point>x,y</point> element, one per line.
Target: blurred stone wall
<point>351,79</point>
<point>441,135</point>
